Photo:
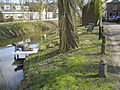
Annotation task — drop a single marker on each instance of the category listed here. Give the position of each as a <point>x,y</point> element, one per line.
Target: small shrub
<point>11,19</point>
<point>1,20</point>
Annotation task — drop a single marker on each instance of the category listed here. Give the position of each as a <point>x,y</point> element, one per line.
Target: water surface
<point>10,73</point>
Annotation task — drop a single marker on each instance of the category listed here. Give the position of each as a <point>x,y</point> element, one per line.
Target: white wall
<point>105,15</point>
<point>17,15</point>
<point>35,15</point>
<point>43,14</point>
<point>49,15</point>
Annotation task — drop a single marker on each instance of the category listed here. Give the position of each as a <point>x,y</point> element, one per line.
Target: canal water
<point>11,72</point>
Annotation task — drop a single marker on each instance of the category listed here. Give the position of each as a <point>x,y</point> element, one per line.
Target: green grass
<point>25,28</point>
<point>73,70</point>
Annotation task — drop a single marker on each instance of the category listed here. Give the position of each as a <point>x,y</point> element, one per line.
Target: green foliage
<point>35,7</point>
<point>11,19</point>
<point>1,20</point>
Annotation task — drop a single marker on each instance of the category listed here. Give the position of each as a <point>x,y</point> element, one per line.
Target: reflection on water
<point>9,79</point>
<point>11,72</point>
<point>18,64</point>
<point>19,67</point>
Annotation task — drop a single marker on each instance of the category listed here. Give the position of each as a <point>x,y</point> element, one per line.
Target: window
<point>26,7</point>
<point>114,13</point>
<point>118,13</point>
<point>6,7</point>
<point>114,7</point>
<point>17,7</point>
<point>19,16</point>
<point>7,16</point>
<point>110,14</point>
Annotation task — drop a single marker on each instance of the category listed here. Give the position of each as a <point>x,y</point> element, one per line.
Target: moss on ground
<point>73,70</point>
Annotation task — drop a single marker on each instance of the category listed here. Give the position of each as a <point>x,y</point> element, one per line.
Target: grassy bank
<point>73,70</point>
<point>25,28</point>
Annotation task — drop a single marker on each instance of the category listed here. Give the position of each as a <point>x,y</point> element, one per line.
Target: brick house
<point>113,9</point>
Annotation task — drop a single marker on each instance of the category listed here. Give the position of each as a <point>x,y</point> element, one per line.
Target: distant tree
<point>80,3</point>
<point>54,7</point>
<point>99,7</point>
<point>40,5</point>
<point>48,6</point>
<point>35,6</point>
<point>79,6</point>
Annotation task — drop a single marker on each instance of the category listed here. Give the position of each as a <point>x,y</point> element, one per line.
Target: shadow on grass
<point>43,57</point>
<point>96,33</point>
<point>95,54</point>
<point>81,70</point>
<point>50,54</point>
<point>92,76</point>
<point>89,33</point>
<point>113,69</point>
<point>85,71</point>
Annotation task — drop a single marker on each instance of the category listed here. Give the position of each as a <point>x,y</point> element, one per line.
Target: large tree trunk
<point>68,38</point>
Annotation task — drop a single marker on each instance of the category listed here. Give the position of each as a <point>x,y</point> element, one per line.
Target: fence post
<point>100,33</point>
<point>103,47</point>
<point>102,68</point>
<point>102,29</point>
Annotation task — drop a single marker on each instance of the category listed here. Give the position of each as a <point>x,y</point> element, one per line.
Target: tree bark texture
<point>68,37</point>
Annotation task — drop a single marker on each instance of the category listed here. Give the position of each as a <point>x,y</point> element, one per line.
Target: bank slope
<point>73,70</point>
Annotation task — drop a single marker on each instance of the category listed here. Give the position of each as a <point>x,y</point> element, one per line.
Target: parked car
<point>117,19</point>
<point>112,19</point>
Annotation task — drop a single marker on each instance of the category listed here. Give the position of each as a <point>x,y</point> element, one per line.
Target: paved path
<point>114,36</point>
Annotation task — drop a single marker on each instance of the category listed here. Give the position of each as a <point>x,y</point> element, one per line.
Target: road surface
<point>114,37</point>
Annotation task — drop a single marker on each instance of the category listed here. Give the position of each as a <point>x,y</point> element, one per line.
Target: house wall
<point>43,14</point>
<point>16,11</point>
<point>105,15</point>
<point>50,15</point>
<point>21,15</point>
<point>16,15</point>
<point>36,15</point>
<point>7,16</point>
<point>22,12</point>
<point>26,16</point>
<point>112,10</point>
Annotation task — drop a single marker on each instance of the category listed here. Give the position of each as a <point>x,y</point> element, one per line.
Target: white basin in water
<point>24,54</point>
<point>35,50</point>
